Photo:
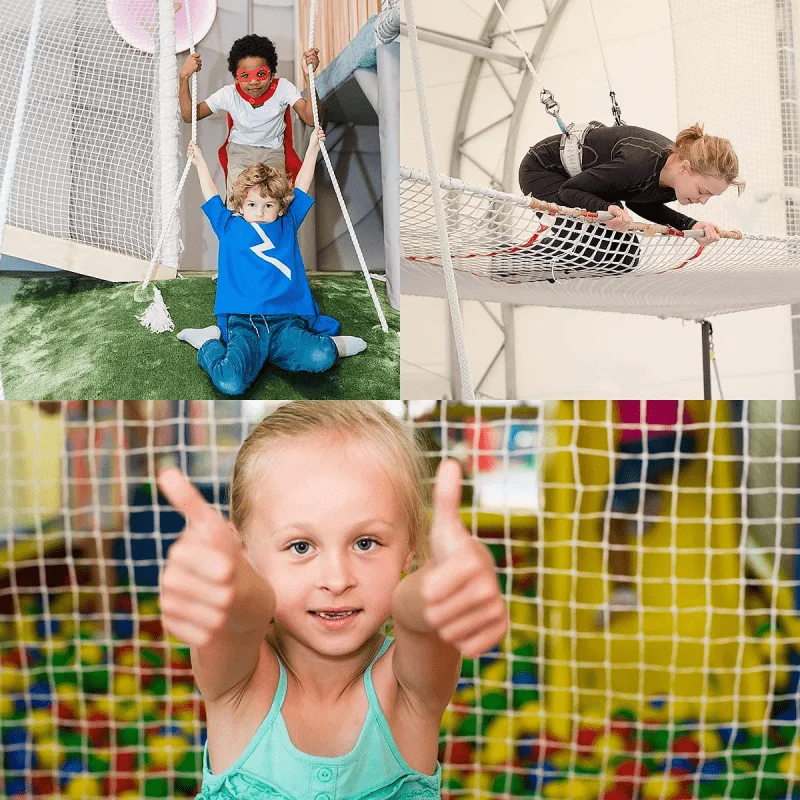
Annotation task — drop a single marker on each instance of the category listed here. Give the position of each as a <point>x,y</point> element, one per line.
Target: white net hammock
<point>504,251</point>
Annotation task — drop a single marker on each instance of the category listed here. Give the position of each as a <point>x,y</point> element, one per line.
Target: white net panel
<point>88,168</point>
<point>691,692</point>
<point>504,251</point>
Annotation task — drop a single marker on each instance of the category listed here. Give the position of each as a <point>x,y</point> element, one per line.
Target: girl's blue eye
<point>301,548</point>
<point>367,542</point>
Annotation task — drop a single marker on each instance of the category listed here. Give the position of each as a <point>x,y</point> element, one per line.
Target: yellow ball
<point>562,759</point>
<point>660,786</point>
<point>495,674</point>
<point>450,720</point>
<point>127,711</point>
<point>11,679</point>
<point>90,653</point>
<point>166,751</point>
<point>84,786</point>
<point>40,723</point>
<point>149,608</point>
<point>527,719</point>
<point>478,780</point>
<point>573,789</point>
<point>129,795</point>
<point>608,745</point>
<point>127,658</point>
<point>790,763</point>
<point>50,753</point>
<point>594,718</point>
<point>495,752</point>
<point>710,741</point>
<point>6,707</point>
<point>125,685</point>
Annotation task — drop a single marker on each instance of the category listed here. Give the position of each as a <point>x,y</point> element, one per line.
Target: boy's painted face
<point>253,75</point>
<point>328,531</point>
<point>256,208</point>
<point>692,187</point>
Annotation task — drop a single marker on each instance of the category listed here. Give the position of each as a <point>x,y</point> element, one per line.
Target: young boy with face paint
<point>258,106</point>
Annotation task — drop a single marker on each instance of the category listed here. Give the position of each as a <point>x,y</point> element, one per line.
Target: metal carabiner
<point>552,108</point>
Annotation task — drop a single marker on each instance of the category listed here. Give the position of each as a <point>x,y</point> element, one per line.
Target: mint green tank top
<point>272,768</point>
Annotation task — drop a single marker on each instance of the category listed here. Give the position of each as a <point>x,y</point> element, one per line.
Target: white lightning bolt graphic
<point>260,250</point>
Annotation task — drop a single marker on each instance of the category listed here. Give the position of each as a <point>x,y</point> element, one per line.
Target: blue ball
<point>540,776</point>
<point>41,695</point>
<point>711,770</point>
<point>524,678</point>
<point>677,762</point>
<point>123,627</point>
<point>731,736</point>
<point>47,628</point>
<point>70,768</point>
<point>17,756</point>
<point>16,786</point>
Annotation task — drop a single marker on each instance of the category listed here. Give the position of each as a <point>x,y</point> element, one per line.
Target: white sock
<point>197,337</point>
<point>349,345</point>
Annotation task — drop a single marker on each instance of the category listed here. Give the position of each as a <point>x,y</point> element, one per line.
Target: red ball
<point>43,785</point>
<point>458,753</point>
<point>99,728</point>
<point>586,738</point>
<point>687,746</point>
<point>617,793</point>
<point>630,773</point>
<point>684,794</point>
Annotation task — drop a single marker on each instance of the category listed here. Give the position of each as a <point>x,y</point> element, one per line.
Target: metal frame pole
<point>705,328</point>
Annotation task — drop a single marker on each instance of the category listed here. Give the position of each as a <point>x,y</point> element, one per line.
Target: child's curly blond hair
<point>274,183</point>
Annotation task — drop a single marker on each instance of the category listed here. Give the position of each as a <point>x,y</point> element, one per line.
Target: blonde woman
<point>600,168</point>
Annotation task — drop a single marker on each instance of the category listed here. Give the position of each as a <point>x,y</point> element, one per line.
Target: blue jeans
<point>253,340</point>
<point>631,469</point>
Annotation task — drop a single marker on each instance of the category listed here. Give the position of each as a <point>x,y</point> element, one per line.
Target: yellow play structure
<point>689,643</point>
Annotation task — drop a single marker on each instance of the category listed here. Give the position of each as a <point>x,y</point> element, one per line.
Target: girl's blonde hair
<point>391,440</point>
<point>708,155</point>
<point>274,183</point>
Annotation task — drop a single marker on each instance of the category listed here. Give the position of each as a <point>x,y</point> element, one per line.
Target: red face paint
<point>247,76</point>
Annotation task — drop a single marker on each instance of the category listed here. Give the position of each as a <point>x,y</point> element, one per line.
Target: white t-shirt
<point>262,126</point>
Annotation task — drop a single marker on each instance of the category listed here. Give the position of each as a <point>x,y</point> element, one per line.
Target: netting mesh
<point>532,257</point>
<point>690,689</point>
<point>88,168</point>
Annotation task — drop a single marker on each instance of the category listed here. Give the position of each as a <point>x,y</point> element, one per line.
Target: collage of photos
<point>400,400</point>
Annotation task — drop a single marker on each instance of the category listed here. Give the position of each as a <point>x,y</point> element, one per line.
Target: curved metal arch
<point>489,34</point>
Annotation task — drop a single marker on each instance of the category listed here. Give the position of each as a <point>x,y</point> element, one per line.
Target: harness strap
<point>571,147</point>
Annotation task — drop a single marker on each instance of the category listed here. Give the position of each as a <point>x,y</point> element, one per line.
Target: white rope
<point>533,72</point>
<point>16,132</point>
<point>441,223</point>
<point>600,43</point>
<point>156,317</point>
<point>313,92</point>
<point>19,116</point>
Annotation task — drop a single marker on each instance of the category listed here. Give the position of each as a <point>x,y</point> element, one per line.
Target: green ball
<point>128,737</point>
<point>504,783</point>
<point>624,713</point>
<point>527,650</point>
<point>98,764</point>
<point>494,701</point>
<point>156,787</point>
<point>468,668</point>
<point>152,657</point>
<point>158,686</point>
<point>659,738</point>
<point>452,782</point>
<point>190,764</point>
<point>95,681</point>
<point>522,696</point>
<point>469,726</point>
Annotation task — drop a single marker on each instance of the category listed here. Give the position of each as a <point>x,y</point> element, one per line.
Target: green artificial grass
<point>69,337</point>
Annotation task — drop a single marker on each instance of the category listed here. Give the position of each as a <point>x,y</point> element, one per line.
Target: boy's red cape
<point>293,162</point>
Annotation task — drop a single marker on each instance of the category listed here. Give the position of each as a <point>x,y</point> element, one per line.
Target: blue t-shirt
<point>260,267</point>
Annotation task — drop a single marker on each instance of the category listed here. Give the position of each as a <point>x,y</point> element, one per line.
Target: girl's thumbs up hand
<point>462,596</point>
<point>204,567</point>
